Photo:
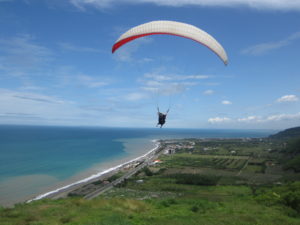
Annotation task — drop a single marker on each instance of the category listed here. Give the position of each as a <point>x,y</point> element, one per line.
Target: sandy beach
<point>102,175</point>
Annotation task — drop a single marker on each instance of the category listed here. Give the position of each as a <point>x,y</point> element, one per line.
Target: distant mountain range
<point>287,134</point>
<point>291,151</point>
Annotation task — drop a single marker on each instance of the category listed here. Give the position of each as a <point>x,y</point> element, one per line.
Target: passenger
<point>161,118</point>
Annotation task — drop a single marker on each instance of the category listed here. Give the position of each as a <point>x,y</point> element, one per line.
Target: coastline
<point>37,184</point>
<point>63,191</point>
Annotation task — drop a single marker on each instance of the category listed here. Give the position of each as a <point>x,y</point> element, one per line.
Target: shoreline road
<point>130,173</point>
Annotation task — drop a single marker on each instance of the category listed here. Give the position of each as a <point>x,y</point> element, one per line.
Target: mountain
<point>287,134</point>
<point>291,151</point>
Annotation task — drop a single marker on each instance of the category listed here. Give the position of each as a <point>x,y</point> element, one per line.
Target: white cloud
<point>256,4</point>
<point>170,77</point>
<point>219,120</point>
<point>68,76</point>
<point>29,103</point>
<point>288,98</point>
<point>249,119</point>
<point>169,84</point>
<point>158,77</point>
<point>146,60</point>
<point>226,102</point>
<point>208,92</point>
<point>80,4</point>
<point>263,48</point>
<point>135,96</point>
<point>272,118</point>
<point>70,47</point>
<point>21,107</point>
<point>258,119</point>
<point>90,82</point>
<point>280,117</point>
<point>28,96</point>
<point>153,83</point>
<point>21,54</point>
<point>168,89</point>
<point>193,77</point>
<point>125,53</point>
<point>28,87</point>
<point>211,84</point>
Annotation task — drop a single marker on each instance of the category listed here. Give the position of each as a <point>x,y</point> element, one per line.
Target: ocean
<point>37,159</point>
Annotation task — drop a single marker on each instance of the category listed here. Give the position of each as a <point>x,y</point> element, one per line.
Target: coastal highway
<point>144,161</point>
<point>130,173</point>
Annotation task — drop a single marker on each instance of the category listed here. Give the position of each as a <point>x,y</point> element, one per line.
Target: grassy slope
<point>238,209</point>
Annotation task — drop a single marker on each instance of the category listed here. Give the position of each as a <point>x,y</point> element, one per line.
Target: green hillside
<point>287,134</point>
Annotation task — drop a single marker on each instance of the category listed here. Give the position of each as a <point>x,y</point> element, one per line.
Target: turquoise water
<point>59,152</point>
<point>34,159</point>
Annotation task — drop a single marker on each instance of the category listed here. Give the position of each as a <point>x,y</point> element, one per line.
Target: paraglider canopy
<point>172,28</point>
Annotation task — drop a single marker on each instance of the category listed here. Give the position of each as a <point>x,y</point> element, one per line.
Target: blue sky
<point>56,66</point>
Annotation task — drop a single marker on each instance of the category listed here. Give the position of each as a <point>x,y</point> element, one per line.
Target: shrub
<point>292,200</point>
<point>168,202</point>
<point>161,170</point>
<point>287,195</point>
<point>147,171</point>
<point>65,219</point>
<point>195,208</point>
<point>293,164</point>
<point>195,179</point>
<point>114,177</point>
<point>98,182</point>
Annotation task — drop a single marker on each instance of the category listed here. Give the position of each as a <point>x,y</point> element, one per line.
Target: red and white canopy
<point>172,28</point>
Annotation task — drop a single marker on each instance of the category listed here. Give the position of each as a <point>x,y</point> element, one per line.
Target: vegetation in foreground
<point>210,205</point>
<point>245,181</point>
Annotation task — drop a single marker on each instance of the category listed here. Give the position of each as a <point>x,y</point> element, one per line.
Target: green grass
<point>234,205</point>
<point>254,169</point>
